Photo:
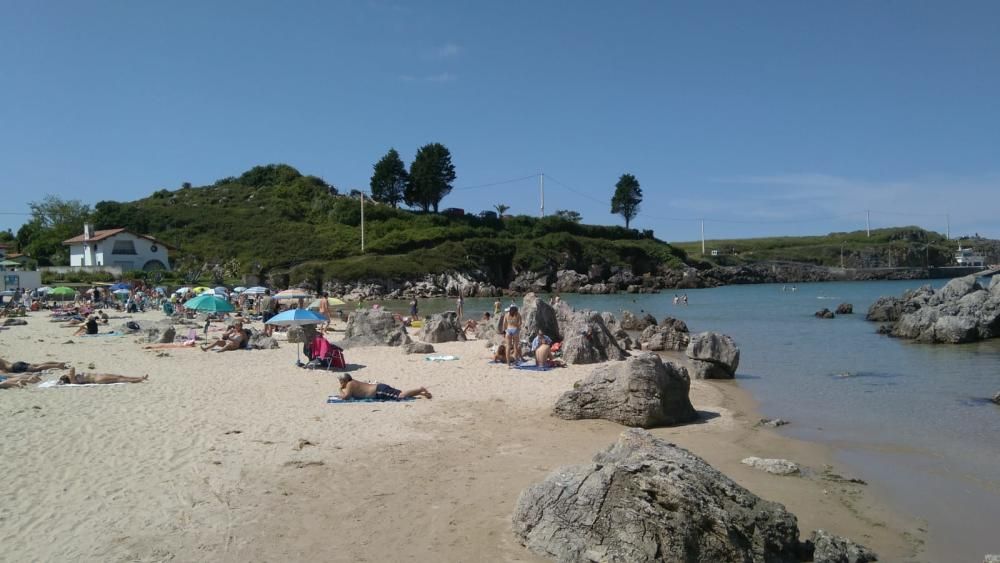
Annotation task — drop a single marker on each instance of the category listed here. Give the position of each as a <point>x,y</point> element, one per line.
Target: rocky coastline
<point>602,281</point>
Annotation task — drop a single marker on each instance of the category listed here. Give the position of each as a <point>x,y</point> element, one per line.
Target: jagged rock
<point>537,282</point>
<point>845,309</point>
<point>641,391</point>
<point>646,500</point>
<point>374,328</point>
<point>885,309</point>
<point>884,329</point>
<point>961,311</point>
<point>713,356</point>
<point>568,281</point>
<point>168,335</point>
<point>996,398</point>
<point>260,341</point>
<point>828,548</point>
<point>650,320</point>
<point>14,322</point>
<point>443,327</point>
<point>418,348</point>
<point>955,290</point>
<point>773,466</point>
<point>538,314</point>
<point>623,278</point>
<point>301,334</point>
<point>665,337</point>
<point>587,340</point>
<point>623,339</point>
<point>597,289</point>
<point>631,322</point>
<point>609,319</point>
<point>824,314</point>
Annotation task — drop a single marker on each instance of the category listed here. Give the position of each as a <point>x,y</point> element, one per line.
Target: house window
<point>123,247</point>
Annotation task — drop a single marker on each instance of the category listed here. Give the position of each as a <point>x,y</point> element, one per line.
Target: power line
<point>500,183</point>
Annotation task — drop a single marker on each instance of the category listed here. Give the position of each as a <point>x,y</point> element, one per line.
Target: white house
<point>120,248</point>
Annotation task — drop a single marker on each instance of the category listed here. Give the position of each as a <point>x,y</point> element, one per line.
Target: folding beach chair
<point>325,353</point>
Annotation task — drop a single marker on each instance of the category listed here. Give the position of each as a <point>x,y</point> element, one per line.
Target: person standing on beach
<point>324,309</point>
<point>512,332</point>
<point>460,305</point>
<point>267,310</point>
<point>496,307</point>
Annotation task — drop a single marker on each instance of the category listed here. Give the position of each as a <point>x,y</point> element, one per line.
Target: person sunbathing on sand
<point>24,367</point>
<point>351,389</point>
<point>165,345</point>
<point>19,381</point>
<point>231,340</point>
<point>100,378</point>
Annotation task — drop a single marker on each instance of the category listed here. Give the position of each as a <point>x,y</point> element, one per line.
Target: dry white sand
<point>237,457</point>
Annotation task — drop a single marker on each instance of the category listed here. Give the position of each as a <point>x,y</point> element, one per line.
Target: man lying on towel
<point>351,389</point>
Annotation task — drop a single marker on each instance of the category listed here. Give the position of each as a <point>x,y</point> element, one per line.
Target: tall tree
<point>501,209</point>
<point>389,179</point>
<point>431,175</point>
<point>628,196</point>
<point>53,220</point>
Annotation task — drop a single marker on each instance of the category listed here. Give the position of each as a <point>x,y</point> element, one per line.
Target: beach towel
<point>335,400</point>
<point>532,367</point>
<point>55,384</point>
<point>440,358</point>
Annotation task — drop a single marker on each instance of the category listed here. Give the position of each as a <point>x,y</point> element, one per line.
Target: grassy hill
<point>274,219</point>
<point>900,246</point>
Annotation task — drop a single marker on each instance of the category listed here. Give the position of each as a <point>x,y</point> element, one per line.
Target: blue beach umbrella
<point>209,303</point>
<point>296,317</point>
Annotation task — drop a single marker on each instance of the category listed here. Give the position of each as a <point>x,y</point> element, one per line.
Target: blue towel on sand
<point>335,400</point>
<point>532,367</point>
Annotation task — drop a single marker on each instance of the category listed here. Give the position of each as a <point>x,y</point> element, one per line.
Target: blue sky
<point>764,118</point>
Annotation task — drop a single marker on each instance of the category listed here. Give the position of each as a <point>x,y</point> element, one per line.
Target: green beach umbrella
<point>210,304</point>
<point>62,291</point>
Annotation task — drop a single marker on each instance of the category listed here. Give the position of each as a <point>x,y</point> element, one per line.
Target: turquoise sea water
<point>911,419</point>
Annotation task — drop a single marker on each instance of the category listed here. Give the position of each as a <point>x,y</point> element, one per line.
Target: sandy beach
<point>237,457</point>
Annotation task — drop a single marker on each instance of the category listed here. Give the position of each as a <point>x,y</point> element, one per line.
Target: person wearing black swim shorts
<point>351,389</point>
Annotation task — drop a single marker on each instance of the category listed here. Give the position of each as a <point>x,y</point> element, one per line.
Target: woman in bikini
<point>74,378</point>
<point>231,340</point>
<point>512,331</point>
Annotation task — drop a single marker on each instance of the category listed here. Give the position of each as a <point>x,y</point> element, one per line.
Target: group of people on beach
<point>20,374</point>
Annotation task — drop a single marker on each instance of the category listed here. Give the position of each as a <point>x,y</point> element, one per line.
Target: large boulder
<point>666,336</point>
<point>641,391</point>
<point>773,466</point>
<point>631,322</point>
<point>587,340</point>
<point>525,282</point>
<point>845,309</point>
<point>260,341</point>
<point>955,290</point>
<point>374,328</point>
<point>961,311</point>
<point>646,500</point>
<point>161,332</point>
<point>713,356</point>
<point>538,314</point>
<point>885,310</point>
<point>824,313</point>
<point>996,398</point>
<point>828,548</point>
<point>443,327</point>
<point>418,348</point>
<point>302,334</point>
<point>568,281</point>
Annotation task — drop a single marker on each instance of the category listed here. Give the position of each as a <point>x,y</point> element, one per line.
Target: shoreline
<point>236,456</point>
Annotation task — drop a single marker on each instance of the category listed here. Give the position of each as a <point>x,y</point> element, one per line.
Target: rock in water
<point>713,356</point>
<point>418,348</point>
<point>374,328</point>
<point>996,398</point>
<point>646,500</point>
<point>828,548</point>
<point>845,309</point>
<point>443,327</point>
<point>641,391</point>
<point>885,310</point>
<point>824,314</point>
<point>773,466</point>
<point>538,314</point>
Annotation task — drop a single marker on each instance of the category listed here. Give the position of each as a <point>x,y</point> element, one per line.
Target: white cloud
<point>448,51</point>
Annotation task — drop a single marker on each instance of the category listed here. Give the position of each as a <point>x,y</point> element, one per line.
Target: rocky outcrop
<point>260,341</point>
<point>161,332</point>
<point>885,310</point>
<point>525,282</point>
<point>587,340</point>
<point>646,500</point>
<point>631,322</point>
<point>961,311</point>
<point>538,314</point>
<point>824,314</point>
<point>713,356</point>
<point>418,348</point>
<point>671,334</point>
<point>845,309</point>
<point>569,281</point>
<point>996,398</point>
<point>773,466</point>
<point>443,327</point>
<point>641,391</point>
<point>828,548</point>
<point>374,328</point>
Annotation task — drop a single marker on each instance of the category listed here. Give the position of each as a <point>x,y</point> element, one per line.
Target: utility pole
<point>541,189</point>
<point>702,237</point>
<point>841,256</point>
<point>362,221</point>
<point>947,226</point>
<point>868,222</point>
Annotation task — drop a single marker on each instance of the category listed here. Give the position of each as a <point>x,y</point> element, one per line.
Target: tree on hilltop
<point>389,179</point>
<point>431,175</point>
<point>569,215</point>
<point>628,196</point>
<point>501,209</point>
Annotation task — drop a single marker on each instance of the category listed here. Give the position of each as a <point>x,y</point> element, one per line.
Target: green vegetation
<point>431,175</point>
<point>628,196</point>
<point>389,179</point>
<point>272,220</point>
<point>900,246</point>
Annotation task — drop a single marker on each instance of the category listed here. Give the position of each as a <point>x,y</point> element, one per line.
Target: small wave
<point>822,297</point>
<point>874,374</point>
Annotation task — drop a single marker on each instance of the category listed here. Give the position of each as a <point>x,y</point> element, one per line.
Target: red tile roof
<point>107,233</point>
